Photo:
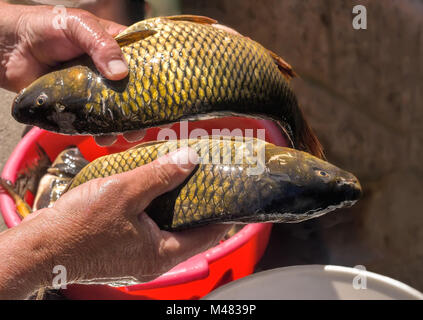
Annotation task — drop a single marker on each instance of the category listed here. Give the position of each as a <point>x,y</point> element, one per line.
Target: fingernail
<point>134,136</point>
<point>185,158</point>
<point>117,67</point>
<point>105,140</point>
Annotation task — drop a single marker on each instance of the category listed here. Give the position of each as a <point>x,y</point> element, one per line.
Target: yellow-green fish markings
<point>180,67</point>
<point>240,181</point>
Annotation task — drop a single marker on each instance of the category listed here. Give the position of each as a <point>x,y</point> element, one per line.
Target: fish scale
<point>210,193</point>
<point>180,68</point>
<point>163,94</point>
<point>222,189</point>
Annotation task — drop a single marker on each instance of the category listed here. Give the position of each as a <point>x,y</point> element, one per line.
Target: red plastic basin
<point>231,259</point>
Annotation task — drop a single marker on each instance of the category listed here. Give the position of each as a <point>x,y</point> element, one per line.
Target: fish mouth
<point>23,109</point>
<point>351,189</point>
<point>40,120</point>
<point>15,113</point>
<point>354,194</point>
<point>22,116</point>
<point>19,96</point>
<point>15,110</point>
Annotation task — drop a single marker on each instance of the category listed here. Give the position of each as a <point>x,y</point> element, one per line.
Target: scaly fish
<point>52,185</point>
<point>237,181</point>
<point>180,67</point>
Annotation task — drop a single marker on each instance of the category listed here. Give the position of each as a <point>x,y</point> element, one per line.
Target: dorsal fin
<point>284,67</point>
<point>192,18</point>
<point>134,36</point>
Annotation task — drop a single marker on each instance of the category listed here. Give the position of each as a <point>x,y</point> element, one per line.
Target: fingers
<point>140,186</point>
<point>109,139</point>
<point>26,68</point>
<point>185,244</point>
<point>105,140</point>
<point>176,247</point>
<point>134,136</point>
<point>87,32</point>
<point>111,27</point>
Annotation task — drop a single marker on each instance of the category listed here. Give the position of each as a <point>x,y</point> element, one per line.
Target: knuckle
<point>107,185</point>
<point>82,13</point>
<point>166,253</point>
<point>85,24</point>
<point>76,18</point>
<point>163,175</point>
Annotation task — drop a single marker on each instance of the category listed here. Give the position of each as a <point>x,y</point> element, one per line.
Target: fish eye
<point>41,99</point>
<point>322,173</point>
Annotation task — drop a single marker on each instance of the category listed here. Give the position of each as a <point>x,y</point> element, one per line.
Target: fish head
<point>311,186</point>
<point>53,101</point>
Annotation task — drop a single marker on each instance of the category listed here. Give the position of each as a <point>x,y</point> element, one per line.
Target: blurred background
<point>361,91</point>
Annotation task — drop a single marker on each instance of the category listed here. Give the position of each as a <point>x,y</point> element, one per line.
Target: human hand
<point>30,45</point>
<point>100,233</point>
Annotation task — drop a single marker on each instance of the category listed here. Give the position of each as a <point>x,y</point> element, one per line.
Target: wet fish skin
<point>65,166</point>
<point>293,185</point>
<point>49,190</point>
<point>178,69</point>
<point>68,163</point>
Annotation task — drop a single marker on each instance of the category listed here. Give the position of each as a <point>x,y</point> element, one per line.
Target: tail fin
<point>306,139</point>
<point>21,206</point>
<point>283,66</point>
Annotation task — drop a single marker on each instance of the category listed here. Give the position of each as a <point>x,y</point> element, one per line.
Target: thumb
<point>87,32</point>
<point>141,185</point>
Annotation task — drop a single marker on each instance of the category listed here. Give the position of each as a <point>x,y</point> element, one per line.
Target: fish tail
<point>306,138</point>
<point>22,207</point>
<point>297,129</point>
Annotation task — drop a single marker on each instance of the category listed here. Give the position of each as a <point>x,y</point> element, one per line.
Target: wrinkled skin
<point>100,233</point>
<point>30,46</point>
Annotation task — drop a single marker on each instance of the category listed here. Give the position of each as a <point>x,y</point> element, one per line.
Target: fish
<point>50,188</point>
<point>29,175</point>
<point>68,163</point>
<point>22,208</point>
<point>180,68</point>
<point>52,185</point>
<point>237,180</point>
